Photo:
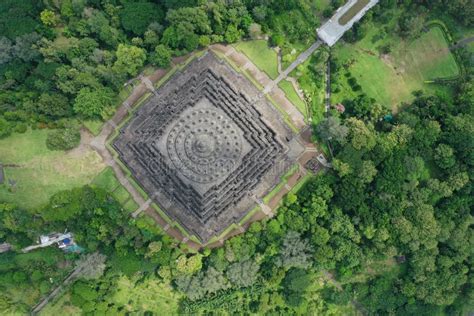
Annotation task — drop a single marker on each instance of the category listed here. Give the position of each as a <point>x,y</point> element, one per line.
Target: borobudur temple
<point>207,147</point>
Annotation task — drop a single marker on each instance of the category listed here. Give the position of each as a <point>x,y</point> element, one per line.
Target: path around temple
<point>270,88</point>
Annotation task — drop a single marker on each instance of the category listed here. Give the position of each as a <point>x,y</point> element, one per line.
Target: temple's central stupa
<point>206,147</point>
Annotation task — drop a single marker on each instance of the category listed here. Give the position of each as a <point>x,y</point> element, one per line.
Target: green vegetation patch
<point>121,194</point>
<point>149,295</point>
<point>391,78</point>
<point>34,173</point>
<point>106,180</point>
<point>353,11</point>
<point>428,56</point>
<point>262,56</point>
<point>130,206</point>
<point>293,96</point>
<point>93,126</point>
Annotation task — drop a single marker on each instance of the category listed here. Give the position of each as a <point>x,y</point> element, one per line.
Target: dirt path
<point>462,43</point>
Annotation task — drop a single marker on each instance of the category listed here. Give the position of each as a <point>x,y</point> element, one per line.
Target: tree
<point>331,129</point>
<point>5,128</point>
<point>255,31</point>
<point>24,47</point>
<point>362,135</point>
<point>295,284</point>
<point>6,50</point>
<point>136,16</point>
<point>243,273</point>
<point>91,103</point>
<point>189,265</point>
<point>63,139</point>
<point>129,59</point>
<point>54,105</point>
<point>162,56</point>
<point>444,156</point>
<point>48,18</point>
<point>92,266</point>
<point>295,252</point>
<point>232,34</point>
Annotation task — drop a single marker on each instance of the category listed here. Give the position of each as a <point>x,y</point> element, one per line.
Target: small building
<point>340,108</point>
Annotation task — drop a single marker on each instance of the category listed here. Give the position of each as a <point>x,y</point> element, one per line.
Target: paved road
<point>299,60</point>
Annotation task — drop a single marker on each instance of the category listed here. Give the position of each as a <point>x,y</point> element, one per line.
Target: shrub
<point>5,128</point>
<point>63,139</point>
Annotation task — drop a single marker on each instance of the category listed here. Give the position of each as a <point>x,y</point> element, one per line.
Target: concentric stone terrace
<point>206,147</point>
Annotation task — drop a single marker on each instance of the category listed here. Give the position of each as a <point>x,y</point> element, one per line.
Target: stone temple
<point>207,147</point>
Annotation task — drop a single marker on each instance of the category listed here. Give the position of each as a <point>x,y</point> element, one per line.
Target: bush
<point>162,56</point>
<point>5,128</point>
<point>21,128</point>
<point>63,139</point>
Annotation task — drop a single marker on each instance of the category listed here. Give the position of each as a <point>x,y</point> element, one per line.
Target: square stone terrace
<point>207,147</point>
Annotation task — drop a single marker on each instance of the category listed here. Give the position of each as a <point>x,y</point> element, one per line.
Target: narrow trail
<point>462,43</point>
<point>299,60</point>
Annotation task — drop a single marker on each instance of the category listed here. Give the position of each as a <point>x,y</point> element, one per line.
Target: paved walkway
<point>146,84</point>
<point>299,60</point>
<point>331,31</point>
<point>245,64</point>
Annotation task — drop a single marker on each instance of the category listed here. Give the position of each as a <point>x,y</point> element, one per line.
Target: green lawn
<point>39,172</point>
<point>293,96</point>
<point>150,295</point>
<point>391,79</point>
<point>262,56</point>
<point>427,57</point>
<point>109,182</point>
<point>94,126</point>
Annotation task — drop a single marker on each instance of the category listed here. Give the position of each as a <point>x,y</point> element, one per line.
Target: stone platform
<point>206,146</point>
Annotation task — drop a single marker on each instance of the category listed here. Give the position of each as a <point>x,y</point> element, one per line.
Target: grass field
<point>262,56</point>
<point>391,79</point>
<point>293,96</point>
<point>149,295</point>
<point>94,126</point>
<point>109,182</point>
<point>39,172</point>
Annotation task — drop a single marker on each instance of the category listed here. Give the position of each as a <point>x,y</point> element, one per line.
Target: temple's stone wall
<point>206,146</point>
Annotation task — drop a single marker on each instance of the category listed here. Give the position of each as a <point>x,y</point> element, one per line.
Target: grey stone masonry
<point>332,30</point>
<point>204,144</point>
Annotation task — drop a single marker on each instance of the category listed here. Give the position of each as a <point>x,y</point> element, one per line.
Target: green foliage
<point>162,56</point>
<point>63,139</point>
<point>129,59</point>
<point>5,127</point>
<point>48,18</point>
<point>243,273</point>
<point>54,105</point>
<point>92,103</point>
<point>295,284</point>
<point>137,16</point>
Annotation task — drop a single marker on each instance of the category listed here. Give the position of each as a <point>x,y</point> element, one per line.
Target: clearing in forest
<point>38,173</point>
<point>391,78</point>
<point>261,55</point>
